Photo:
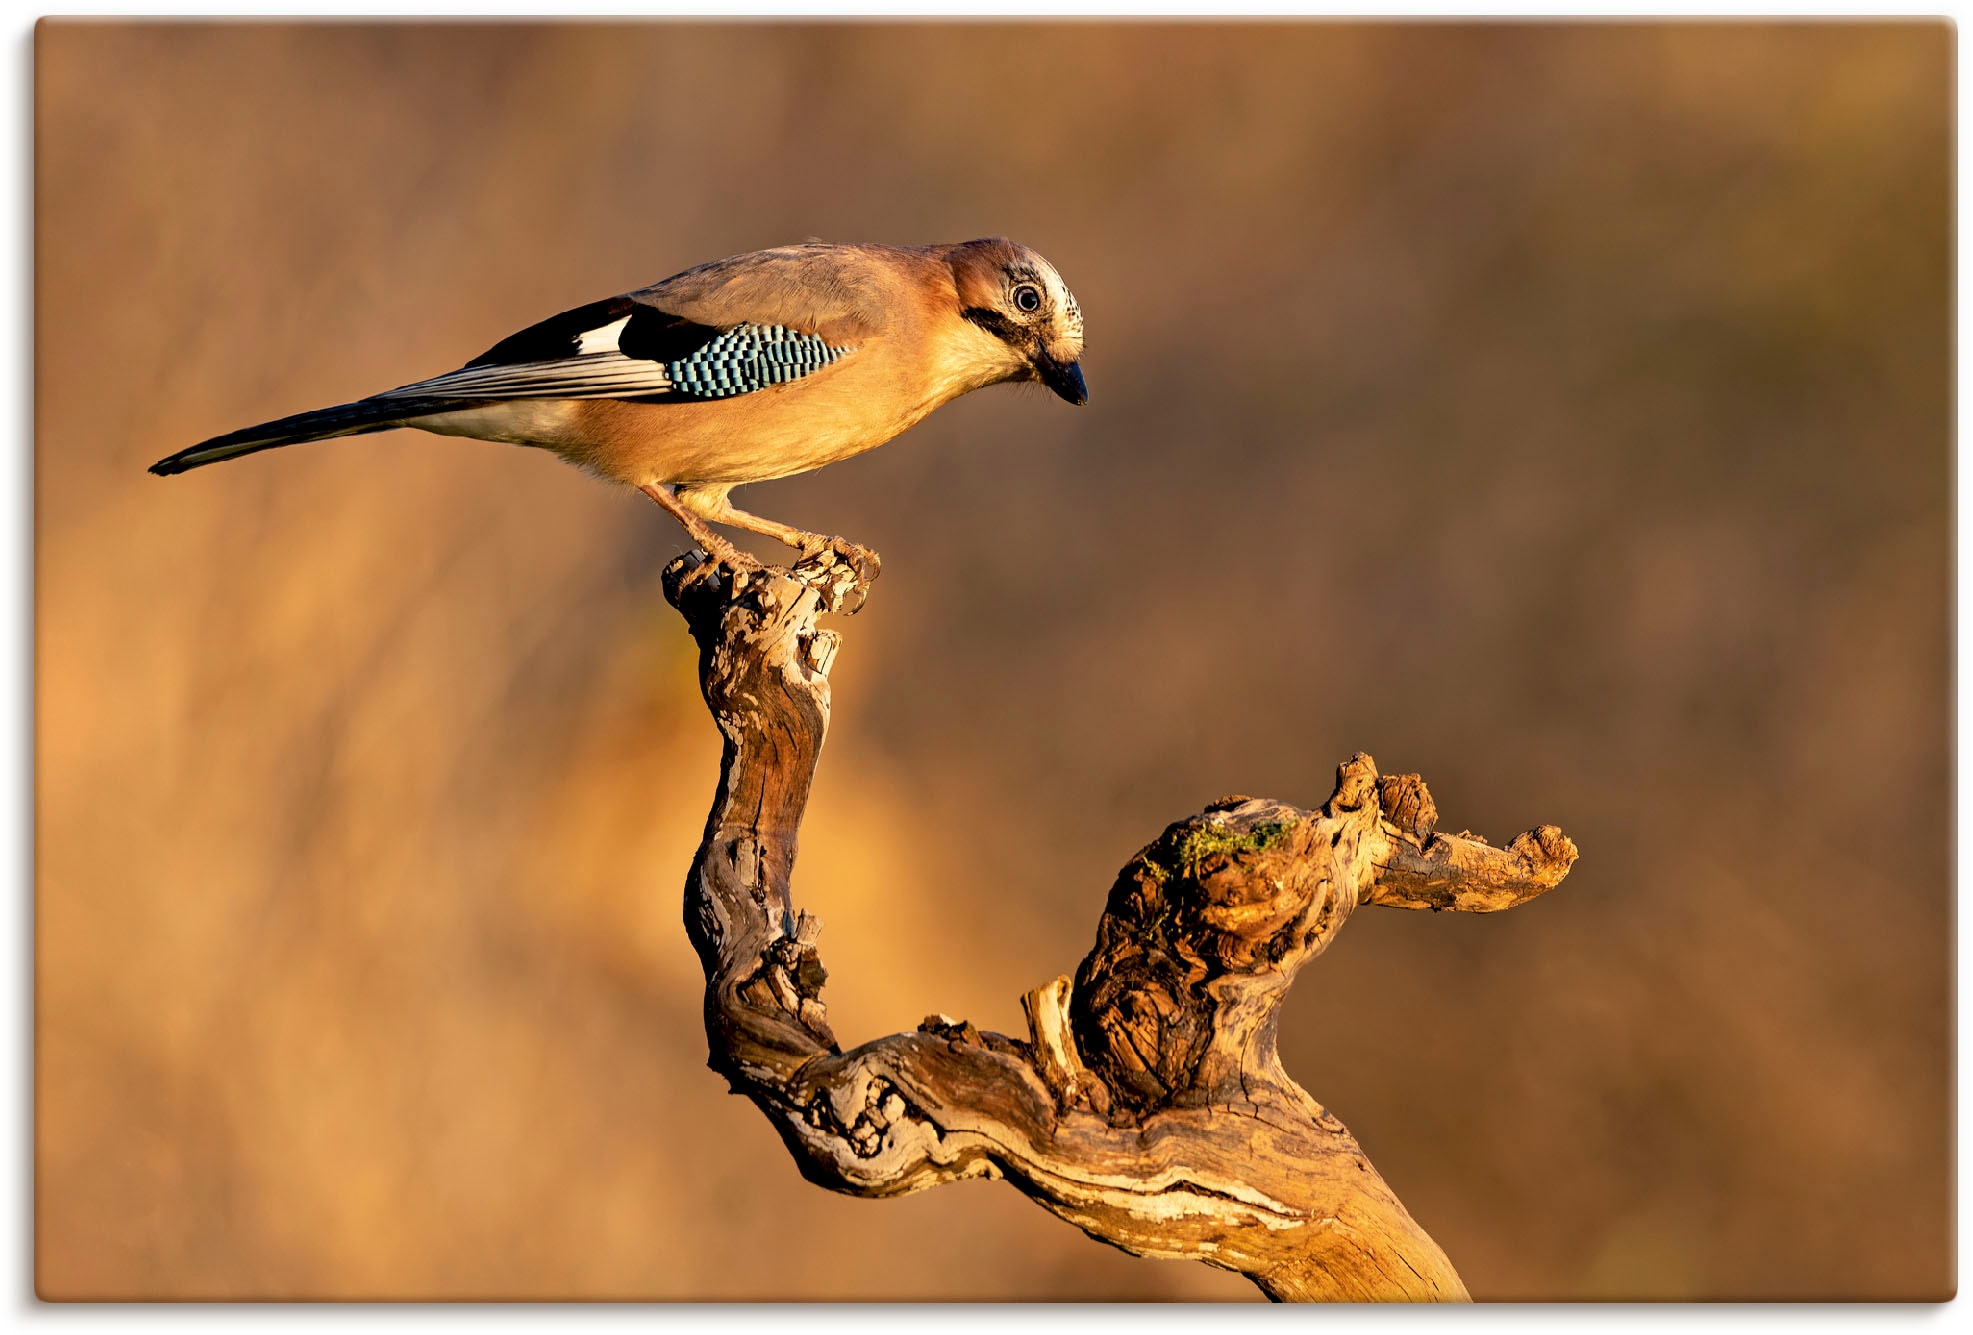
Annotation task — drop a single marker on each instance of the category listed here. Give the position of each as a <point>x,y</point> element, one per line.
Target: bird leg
<point>711,503</point>
<point>697,529</point>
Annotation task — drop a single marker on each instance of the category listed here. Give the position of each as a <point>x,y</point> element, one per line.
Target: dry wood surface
<point>1146,1104</point>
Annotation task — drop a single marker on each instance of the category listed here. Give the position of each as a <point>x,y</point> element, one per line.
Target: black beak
<point>1065,378</point>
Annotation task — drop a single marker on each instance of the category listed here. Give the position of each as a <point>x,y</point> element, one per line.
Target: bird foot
<point>689,570</point>
<point>839,570</point>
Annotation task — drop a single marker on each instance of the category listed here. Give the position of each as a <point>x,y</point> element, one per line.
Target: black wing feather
<point>650,334</point>
<point>659,336</point>
<point>557,336</point>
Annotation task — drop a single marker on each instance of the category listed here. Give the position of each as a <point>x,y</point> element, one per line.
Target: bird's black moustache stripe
<point>1002,328</point>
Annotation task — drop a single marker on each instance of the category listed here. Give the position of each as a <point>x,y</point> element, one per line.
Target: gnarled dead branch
<point>1147,1104</point>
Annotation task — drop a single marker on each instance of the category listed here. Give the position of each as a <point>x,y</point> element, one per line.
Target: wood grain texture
<point>1147,1104</point>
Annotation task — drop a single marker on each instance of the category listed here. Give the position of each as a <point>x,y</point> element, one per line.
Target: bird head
<point>1017,297</point>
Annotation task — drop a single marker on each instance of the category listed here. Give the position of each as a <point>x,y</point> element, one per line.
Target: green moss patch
<point>1205,841</point>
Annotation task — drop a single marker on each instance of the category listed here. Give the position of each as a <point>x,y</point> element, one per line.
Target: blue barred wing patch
<point>749,357</point>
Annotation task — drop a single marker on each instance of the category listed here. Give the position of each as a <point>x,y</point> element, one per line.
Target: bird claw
<point>735,560</point>
<point>839,570</point>
<point>729,567</point>
<point>688,572</point>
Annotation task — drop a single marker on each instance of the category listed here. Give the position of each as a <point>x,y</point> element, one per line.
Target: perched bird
<point>745,369</point>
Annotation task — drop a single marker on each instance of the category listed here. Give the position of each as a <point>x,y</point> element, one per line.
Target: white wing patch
<point>604,339</point>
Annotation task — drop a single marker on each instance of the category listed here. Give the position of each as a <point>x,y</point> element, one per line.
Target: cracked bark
<point>1147,1104</point>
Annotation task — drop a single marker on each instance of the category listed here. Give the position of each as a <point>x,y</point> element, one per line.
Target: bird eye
<point>1027,298</point>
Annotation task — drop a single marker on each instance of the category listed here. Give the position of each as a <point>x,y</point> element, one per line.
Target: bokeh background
<point>1561,412</point>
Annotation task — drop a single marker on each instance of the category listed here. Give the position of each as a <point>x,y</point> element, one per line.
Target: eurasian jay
<point>745,369</point>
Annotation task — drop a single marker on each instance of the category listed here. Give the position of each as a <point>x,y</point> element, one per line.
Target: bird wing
<point>726,328</point>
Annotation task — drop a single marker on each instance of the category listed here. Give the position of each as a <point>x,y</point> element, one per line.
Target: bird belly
<point>728,444</point>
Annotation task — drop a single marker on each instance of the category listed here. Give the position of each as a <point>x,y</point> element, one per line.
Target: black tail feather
<point>345,419</point>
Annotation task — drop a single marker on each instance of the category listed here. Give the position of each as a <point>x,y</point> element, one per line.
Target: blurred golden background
<point>1561,412</point>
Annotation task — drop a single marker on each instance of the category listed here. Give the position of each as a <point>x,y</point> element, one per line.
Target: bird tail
<point>345,419</point>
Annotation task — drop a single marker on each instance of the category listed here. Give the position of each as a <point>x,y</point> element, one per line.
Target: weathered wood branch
<point>1147,1104</point>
